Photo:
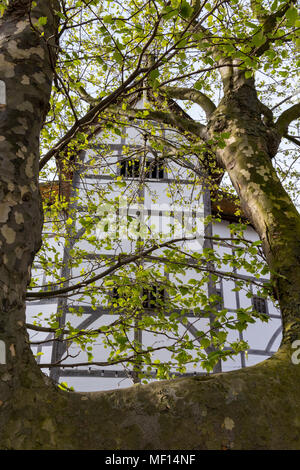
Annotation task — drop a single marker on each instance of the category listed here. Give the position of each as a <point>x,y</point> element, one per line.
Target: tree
<point>241,137</point>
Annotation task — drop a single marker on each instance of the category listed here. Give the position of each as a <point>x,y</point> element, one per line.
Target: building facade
<point>125,198</point>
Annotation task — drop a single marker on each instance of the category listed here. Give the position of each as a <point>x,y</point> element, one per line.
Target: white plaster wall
<point>258,335</point>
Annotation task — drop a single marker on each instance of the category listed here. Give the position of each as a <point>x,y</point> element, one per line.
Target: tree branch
<point>194,95</point>
<point>170,118</point>
<point>269,23</point>
<point>286,118</point>
<point>89,118</point>
<point>292,138</point>
<point>122,262</point>
<point>221,274</point>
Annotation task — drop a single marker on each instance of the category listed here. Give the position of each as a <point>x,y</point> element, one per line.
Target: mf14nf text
<point>158,459</point>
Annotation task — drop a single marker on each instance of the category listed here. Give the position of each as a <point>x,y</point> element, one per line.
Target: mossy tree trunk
<point>258,407</point>
<point>26,71</point>
<point>248,159</point>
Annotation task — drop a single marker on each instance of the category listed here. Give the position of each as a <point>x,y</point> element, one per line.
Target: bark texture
<point>248,159</point>
<point>26,70</point>
<point>254,408</point>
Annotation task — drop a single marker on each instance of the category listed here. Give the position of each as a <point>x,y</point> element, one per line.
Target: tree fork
<point>253,408</point>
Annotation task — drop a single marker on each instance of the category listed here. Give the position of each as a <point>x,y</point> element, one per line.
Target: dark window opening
<point>154,297</point>
<point>131,169</point>
<point>219,304</point>
<point>115,293</point>
<point>154,169</point>
<point>259,304</point>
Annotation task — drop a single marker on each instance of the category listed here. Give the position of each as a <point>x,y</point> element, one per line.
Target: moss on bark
<point>254,408</point>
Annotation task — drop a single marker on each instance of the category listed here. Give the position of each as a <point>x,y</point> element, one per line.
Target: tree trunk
<point>248,160</point>
<point>26,70</point>
<point>254,408</point>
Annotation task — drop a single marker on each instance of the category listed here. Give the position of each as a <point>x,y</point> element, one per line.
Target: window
<point>154,296</point>
<point>154,169</point>
<point>219,303</point>
<point>259,304</point>
<point>131,169</point>
<point>114,293</point>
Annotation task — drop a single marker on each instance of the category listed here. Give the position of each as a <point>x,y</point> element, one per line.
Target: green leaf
<point>60,15</point>
<point>154,74</point>
<point>198,85</point>
<point>107,19</point>
<point>205,342</point>
<point>43,20</point>
<point>186,10</point>
<point>259,38</point>
<point>169,12</point>
<point>184,290</point>
<point>274,5</point>
<point>118,57</point>
<point>292,15</point>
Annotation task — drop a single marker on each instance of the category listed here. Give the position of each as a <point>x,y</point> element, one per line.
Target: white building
<point>125,171</point>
